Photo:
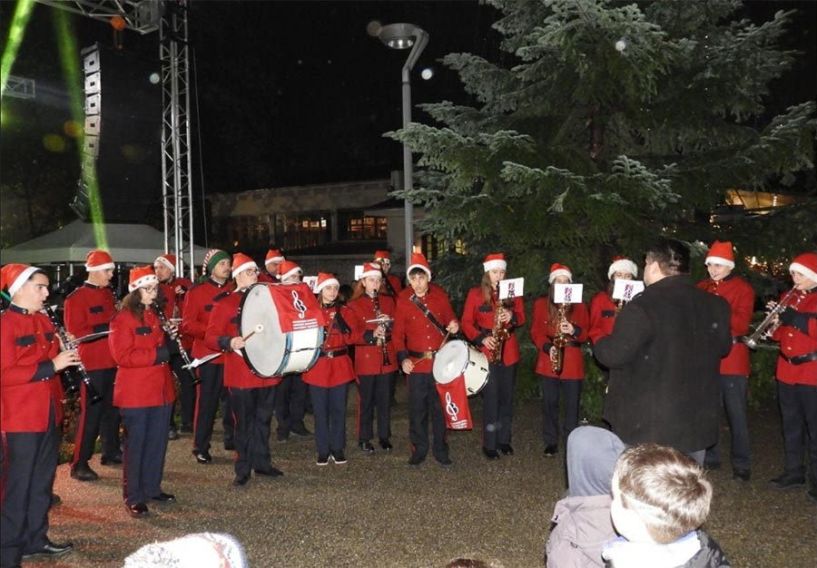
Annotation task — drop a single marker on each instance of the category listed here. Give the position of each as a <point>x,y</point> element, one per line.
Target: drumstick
<point>259,328</point>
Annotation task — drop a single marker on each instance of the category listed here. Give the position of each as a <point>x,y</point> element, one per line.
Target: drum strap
<point>427,313</point>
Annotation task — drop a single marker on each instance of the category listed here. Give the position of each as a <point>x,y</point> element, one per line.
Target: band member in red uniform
<point>391,283</point>
<point>735,368</point>
<point>797,375</point>
<point>290,401</point>
<point>172,290</point>
<point>490,323</point>
<point>90,309</point>
<point>143,391</point>
<point>30,410</point>
<point>603,308</point>
<point>252,398</point>
<point>423,321</point>
<point>198,305</point>
<point>329,378</point>
<point>375,358</point>
<point>272,262</point>
<point>570,327</point>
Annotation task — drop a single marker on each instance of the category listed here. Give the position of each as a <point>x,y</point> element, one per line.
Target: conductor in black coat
<point>664,355</point>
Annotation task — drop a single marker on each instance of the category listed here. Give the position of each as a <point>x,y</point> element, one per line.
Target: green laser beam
<point>19,22</point>
<point>69,57</point>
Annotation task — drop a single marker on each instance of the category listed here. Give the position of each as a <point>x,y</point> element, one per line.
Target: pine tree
<point>616,123</point>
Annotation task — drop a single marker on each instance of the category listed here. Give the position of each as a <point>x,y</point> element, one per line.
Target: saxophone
<point>381,341</point>
<point>560,340</point>
<point>499,332</point>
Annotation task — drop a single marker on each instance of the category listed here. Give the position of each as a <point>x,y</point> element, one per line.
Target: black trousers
<point>374,392</point>
<point>551,392</point>
<point>144,455</point>
<point>187,394</point>
<point>252,409</point>
<point>798,411</point>
<point>28,462</point>
<point>290,404</point>
<point>329,406</point>
<point>497,405</point>
<point>97,419</point>
<point>210,391</point>
<point>424,402</point>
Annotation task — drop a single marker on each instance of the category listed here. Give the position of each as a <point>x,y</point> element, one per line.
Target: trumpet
<point>560,340</point>
<point>771,322</point>
<point>167,327</point>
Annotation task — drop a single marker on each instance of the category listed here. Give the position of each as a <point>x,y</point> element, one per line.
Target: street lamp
<point>404,36</point>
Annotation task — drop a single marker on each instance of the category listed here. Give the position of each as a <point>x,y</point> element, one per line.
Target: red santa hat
<point>273,255</point>
<point>805,264</point>
<point>721,253</point>
<point>495,260</point>
<point>141,276</point>
<point>288,268</point>
<point>13,276</point>
<point>242,262</point>
<point>556,270</point>
<point>622,264</point>
<point>325,279</point>
<point>418,260</point>
<point>382,255</point>
<point>167,260</point>
<point>98,260</point>
<point>370,269</point>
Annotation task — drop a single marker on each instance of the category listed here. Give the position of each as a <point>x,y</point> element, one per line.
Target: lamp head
<point>398,36</point>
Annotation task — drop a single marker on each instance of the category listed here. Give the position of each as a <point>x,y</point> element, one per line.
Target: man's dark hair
<point>672,256</point>
<point>416,270</point>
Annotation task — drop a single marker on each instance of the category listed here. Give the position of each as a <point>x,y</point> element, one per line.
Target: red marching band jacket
<point>542,332</point>
<point>198,305</point>
<point>334,366</point>
<point>29,386</point>
<point>222,328</point>
<point>799,339</point>
<point>478,323</point>
<point>741,298</point>
<point>603,311</point>
<point>90,309</point>
<point>174,303</point>
<point>414,335</point>
<point>368,355</point>
<point>138,347</point>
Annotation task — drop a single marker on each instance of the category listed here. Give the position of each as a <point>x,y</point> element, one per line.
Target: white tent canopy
<point>127,243</point>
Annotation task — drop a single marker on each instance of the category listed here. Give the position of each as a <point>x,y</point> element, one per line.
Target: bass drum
<point>286,327</point>
<point>457,358</point>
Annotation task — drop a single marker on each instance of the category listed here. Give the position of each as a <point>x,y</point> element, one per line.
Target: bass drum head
<point>450,361</point>
<point>264,351</point>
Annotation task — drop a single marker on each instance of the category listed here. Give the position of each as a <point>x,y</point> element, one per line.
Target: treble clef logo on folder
<point>298,304</point>
<point>451,407</point>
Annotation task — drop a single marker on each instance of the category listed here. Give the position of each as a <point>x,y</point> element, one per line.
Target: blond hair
<point>666,489</point>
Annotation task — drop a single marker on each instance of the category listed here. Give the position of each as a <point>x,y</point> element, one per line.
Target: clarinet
<point>70,345</point>
<point>381,341</point>
<point>167,328</point>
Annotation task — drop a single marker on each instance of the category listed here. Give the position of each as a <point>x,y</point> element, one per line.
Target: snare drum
<point>460,358</point>
<point>288,328</point>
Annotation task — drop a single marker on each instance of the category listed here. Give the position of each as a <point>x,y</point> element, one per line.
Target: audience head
<point>665,257</point>
<point>200,550</point>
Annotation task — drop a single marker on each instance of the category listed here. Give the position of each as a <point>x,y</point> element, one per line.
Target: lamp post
<point>404,36</point>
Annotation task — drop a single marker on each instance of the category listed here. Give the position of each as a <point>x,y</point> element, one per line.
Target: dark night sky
<point>297,92</point>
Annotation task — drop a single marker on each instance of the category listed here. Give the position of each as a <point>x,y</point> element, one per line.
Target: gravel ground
<point>378,511</point>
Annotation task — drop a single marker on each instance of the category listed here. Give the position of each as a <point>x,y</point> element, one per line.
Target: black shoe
<point>269,472</point>
<point>446,461</point>
<point>551,450</point>
<point>229,446</point>
<point>490,454</point>
<point>50,550</point>
<point>164,498</point>
<point>712,466</point>
<point>83,472</point>
<point>241,480</point>
<point>137,509</point>
<point>385,444</point>
<point>338,457</point>
<point>812,493</point>
<point>506,449</point>
<point>202,457</point>
<point>301,431</point>
<point>282,438</point>
<point>416,459</point>
<point>741,474</point>
<point>787,480</point>
<point>172,434</point>
<point>322,460</point>
<point>366,447</point>
<point>55,500</point>
<point>113,460</point>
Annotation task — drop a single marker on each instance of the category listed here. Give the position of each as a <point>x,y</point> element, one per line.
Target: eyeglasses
<point>150,289</point>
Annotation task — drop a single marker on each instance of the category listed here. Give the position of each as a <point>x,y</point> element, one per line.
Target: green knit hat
<point>213,257</point>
